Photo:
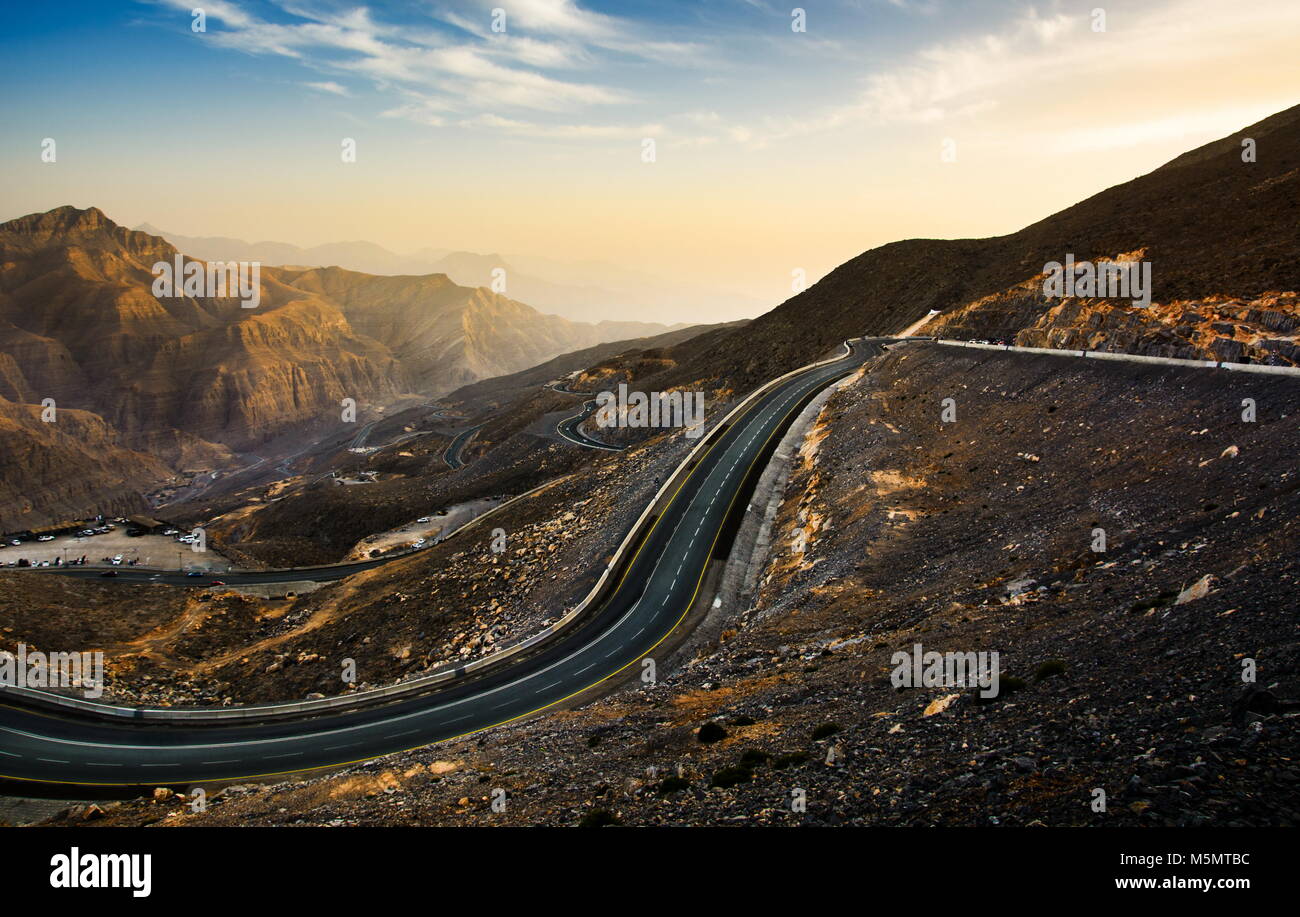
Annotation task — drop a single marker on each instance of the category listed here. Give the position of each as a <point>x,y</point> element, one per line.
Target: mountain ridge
<point>1212,224</point>
<point>193,380</point>
<point>604,289</point>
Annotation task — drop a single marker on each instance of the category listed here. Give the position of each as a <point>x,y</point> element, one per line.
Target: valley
<point>627,624</point>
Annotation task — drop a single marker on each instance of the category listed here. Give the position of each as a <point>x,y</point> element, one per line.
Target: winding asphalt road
<point>454,448</point>
<point>149,575</point>
<point>570,429</point>
<point>656,589</point>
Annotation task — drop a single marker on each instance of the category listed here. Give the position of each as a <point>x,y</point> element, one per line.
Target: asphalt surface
<point>655,591</point>
<point>143,575</point>
<point>565,390</point>
<point>457,445</point>
<point>570,429</point>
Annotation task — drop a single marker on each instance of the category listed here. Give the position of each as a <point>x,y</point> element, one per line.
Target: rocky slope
<point>1263,329</point>
<point>55,471</point>
<point>455,601</point>
<point>189,379</point>
<point>1122,670</point>
<point>308,518</point>
<point>1214,228</point>
<point>445,338</point>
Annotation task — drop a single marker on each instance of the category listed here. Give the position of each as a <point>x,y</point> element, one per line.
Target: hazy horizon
<point>530,142</point>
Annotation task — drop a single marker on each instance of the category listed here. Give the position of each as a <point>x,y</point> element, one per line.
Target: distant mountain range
<point>585,291</point>
<point>190,380</point>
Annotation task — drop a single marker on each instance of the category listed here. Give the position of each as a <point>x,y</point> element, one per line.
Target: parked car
<point>44,537</point>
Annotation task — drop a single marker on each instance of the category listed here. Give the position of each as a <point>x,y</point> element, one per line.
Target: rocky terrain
<point>1121,669</point>
<point>192,379</point>
<point>307,518</point>
<point>1264,329</point>
<point>1216,229</point>
<point>53,471</point>
<point>1122,535</point>
<point>453,602</point>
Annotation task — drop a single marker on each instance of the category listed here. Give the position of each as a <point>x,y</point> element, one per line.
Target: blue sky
<point>775,149</point>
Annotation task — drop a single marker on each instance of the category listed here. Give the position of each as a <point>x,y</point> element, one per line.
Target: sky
<point>523,126</point>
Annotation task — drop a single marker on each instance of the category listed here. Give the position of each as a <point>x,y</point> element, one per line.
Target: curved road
<point>569,429</point>
<point>147,575</point>
<point>457,445</point>
<point>657,588</point>
<point>565,390</point>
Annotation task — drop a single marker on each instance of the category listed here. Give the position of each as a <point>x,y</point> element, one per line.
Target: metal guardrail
<point>1127,357</point>
<point>200,715</point>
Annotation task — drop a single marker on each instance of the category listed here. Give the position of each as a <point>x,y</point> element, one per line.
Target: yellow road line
<point>529,713</point>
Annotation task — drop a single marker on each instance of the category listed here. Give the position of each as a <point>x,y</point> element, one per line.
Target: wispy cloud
<point>565,131</point>
<point>562,70</point>
<point>328,86</point>
<point>452,64</point>
<point>1031,55</point>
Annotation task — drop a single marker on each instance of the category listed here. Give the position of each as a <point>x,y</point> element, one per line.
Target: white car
<point>425,519</point>
<point>44,537</point>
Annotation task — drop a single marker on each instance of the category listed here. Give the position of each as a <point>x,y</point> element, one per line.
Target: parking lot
<point>162,551</point>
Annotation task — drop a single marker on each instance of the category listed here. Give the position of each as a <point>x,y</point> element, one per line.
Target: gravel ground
<point>1121,671</point>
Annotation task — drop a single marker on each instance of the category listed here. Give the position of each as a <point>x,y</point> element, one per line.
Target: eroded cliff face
<point>194,379</point>
<point>53,471</point>
<point>79,323</point>
<point>1260,330</point>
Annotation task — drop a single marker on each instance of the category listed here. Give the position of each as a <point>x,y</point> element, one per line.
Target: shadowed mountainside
<point>1210,224</point>
<point>193,379</point>
<point>79,323</point>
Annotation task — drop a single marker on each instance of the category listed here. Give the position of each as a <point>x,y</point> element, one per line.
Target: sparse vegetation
<point>825,731</point>
<point>599,818</point>
<point>732,775</point>
<point>711,732</point>
<point>1049,669</point>
<point>673,784</point>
